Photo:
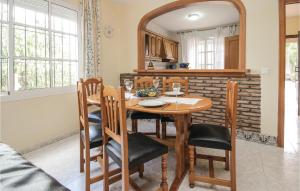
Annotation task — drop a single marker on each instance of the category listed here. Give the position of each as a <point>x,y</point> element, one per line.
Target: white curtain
<point>91,37</point>
<point>195,42</point>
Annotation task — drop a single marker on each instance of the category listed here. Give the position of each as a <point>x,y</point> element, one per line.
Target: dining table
<point>181,109</point>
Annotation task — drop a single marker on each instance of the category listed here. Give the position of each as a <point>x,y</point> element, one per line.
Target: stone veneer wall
<point>249,100</point>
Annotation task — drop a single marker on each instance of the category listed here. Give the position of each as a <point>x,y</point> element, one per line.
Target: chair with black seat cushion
<point>216,137</point>
<point>140,83</point>
<point>90,138</point>
<point>129,151</point>
<point>92,87</point>
<point>167,86</point>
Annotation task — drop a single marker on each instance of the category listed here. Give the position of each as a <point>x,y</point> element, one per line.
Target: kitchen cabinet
<point>160,48</point>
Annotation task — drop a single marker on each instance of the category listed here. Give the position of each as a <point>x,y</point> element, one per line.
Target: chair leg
<point>163,130</point>
<point>105,171</point>
<point>164,169</point>
<point>158,128</point>
<point>81,156</point>
<point>87,170</point>
<point>192,167</point>
<point>227,160</point>
<point>141,171</point>
<point>233,170</point>
<point>134,125</point>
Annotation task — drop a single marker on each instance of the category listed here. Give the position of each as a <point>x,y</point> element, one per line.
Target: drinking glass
<point>128,85</point>
<point>156,83</point>
<point>176,90</point>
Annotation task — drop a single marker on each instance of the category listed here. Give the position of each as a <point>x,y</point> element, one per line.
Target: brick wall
<point>249,99</point>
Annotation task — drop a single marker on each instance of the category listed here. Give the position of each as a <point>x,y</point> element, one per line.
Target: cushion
<point>95,136</point>
<point>141,149</point>
<point>18,174</point>
<point>210,136</point>
<point>167,119</point>
<point>95,116</point>
<point>143,115</point>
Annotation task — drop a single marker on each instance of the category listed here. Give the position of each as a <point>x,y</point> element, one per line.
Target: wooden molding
<point>291,36</point>
<point>185,3</point>
<point>195,72</point>
<point>281,88</point>
<point>291,1</point>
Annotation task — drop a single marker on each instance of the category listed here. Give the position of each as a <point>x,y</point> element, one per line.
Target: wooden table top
<point>170,109</point>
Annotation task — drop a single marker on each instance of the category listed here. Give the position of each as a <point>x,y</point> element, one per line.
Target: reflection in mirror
<point>204,35</point>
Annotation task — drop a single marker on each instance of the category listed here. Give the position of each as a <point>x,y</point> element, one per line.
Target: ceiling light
<point>193,16</point>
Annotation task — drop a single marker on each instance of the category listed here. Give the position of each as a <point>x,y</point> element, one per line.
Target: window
<point>43,50</point>
<point>206,54</point>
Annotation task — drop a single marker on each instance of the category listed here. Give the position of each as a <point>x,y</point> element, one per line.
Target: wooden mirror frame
<point>182,4</point>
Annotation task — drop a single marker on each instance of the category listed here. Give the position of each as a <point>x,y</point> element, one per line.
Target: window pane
<point>4,10</point>
<point>43,74</point>
<point>74,72</point>
<point>30,17</point>
<point>56,23</point>
<point>19,15</point>
<point>66,47</point>
<point>30,74</point>
<point>66,74</point>
<point>74,49</point>
<point>57,45</point>
<point>73,27</point>
<point>30,43</point>
<point>42,44</point>
<point>19,75</point>
<point>58,71</point>
<point>41,20</point>
<point>19,41</point>
<point>4,40</point>
<point>4,75</point>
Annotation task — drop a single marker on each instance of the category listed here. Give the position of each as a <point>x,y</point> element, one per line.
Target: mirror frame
<point>186,3</point>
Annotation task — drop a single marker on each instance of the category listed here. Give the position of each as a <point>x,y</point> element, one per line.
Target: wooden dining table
<point>181,114</point>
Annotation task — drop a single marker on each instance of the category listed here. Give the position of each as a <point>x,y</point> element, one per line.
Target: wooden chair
<point>92,86</point>
<point>167,86</point>
<point>129,151</point>
<point>216,137</point>
<point>90,138</point>
<point>140,83</point>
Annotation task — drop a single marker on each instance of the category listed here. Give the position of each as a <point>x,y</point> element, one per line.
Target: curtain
<point>91,38</point>
<point>197,45</point>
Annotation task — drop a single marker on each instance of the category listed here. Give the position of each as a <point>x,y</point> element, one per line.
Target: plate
<point>151,103</point>
<point>174,93</point>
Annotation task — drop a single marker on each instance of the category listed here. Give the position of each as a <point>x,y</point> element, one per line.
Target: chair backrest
<point>143,82</point>
<point>114,124</point>
<point>168,84</point>
<point>231,108</point>
<point>82,107</point>
<point>92,85</point>
<point>113,113</point>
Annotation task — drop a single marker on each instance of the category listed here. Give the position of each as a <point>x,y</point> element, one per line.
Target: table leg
<point>180,149</point>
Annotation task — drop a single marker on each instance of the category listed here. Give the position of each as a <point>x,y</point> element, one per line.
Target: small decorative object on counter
<point>150,65</point>
<point>172,66</point>
<point>147,92</point>
<point>184,65</point>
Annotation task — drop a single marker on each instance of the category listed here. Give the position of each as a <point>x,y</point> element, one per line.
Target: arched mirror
<point>199,35</point>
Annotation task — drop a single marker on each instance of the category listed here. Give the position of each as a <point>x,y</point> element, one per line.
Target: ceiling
<point>213,14</point>
<point>293,10</point>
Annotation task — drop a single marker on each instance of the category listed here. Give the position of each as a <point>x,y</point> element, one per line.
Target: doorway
<point>292,76</point>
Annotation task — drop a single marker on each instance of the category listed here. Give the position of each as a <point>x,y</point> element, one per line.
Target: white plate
<point>174,93</point>
<point>151,103</point>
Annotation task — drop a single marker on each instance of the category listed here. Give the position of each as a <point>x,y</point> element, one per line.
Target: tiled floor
<point>259,167</point>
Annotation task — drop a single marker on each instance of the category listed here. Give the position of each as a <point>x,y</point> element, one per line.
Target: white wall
<point>30,123</point>
<point>261,49</point>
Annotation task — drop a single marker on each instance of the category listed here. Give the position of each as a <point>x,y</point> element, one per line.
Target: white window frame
<point>12,95</point>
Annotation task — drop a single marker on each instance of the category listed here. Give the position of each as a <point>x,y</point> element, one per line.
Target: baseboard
<point>257,137</point>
